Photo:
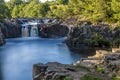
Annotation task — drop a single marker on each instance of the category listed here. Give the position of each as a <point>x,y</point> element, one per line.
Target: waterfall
<point>29,30</point>
<point>34,31</point>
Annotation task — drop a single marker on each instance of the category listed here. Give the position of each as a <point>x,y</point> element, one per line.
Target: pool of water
<point>18,55</point>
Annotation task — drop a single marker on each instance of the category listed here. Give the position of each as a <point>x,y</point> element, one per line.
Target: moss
<point>115,78</point>
<point>68,78</point>
<point>83,67</point>
<point>101,70</point>
<point>90,77</point>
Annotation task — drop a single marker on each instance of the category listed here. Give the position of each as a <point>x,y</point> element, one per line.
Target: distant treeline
<point>93,10</point>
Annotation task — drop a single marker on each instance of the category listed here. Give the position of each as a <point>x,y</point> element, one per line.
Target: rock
<point>112,57</point>
<point>53,30</point>
<point>39,71</point>
<point>85,34</point>
<point>10,28</point>
<point>54,71</point>
<point>2,40</point>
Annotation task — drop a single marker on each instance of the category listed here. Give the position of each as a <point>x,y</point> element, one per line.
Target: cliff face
<point>2,40</point>
<point>10,28</point>
<point>52,30</point>
<point>93,35</point>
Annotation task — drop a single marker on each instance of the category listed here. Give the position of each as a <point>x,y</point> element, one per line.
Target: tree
<point>15,12</point>
<point>115,6</point>
<point>4,12</point>
<point>62,1</point>
<point>16,2</point>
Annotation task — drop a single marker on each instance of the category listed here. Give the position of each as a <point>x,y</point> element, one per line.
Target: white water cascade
<point>30,29</point>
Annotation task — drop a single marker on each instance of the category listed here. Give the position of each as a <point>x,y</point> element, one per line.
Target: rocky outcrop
<point>52,30</point>
<point>86,35</point>
<point>2,40</point>
<point>10,28</point>
<point>105,67</point>
<point>58,71</point>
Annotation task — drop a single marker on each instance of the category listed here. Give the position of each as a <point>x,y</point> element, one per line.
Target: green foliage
<point>101,70</point>
<point>117,42</point>
<point>83,67</point>
<point>16,2</point>
<point>114,78</point>
<point>63,78</point>
<point>62,1</point>
<point>99,41</point>
<point>93,10</point>
<point>31,10</point>
<point>4,12</point>
<point>89,77</point>
<point>68,78</point>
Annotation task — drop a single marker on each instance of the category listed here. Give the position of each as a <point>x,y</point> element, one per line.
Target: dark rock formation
<point>52,30</point>
<point>2,40</point>
<point>86,35</point>
<point>10,28</point>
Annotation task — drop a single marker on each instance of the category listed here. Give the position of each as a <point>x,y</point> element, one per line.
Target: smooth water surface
<point>18,55</point>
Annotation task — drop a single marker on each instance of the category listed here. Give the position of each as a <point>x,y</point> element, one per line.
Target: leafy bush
<point>117,42</point>
<point>100,43</point>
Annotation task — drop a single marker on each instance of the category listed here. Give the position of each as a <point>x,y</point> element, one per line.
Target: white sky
<point>40,0</point>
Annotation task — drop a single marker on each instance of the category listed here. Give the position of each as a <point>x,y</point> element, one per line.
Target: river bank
<point>99,67</point>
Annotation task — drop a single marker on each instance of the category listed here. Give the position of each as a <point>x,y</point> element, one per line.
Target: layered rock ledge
<point>105,67</point>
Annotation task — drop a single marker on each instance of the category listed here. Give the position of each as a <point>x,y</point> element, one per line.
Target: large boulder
<point>52,30</point>
<point>10,28</point>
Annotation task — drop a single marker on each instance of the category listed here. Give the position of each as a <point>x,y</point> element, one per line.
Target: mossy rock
<point>90,77</point>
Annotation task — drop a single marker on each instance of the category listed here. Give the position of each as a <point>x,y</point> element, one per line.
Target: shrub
<point>100,43</point>
<point>117,42</point>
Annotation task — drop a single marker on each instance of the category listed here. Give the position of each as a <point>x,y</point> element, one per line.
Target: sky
<point>40,0</point>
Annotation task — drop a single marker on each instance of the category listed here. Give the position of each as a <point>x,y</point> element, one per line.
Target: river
<point>18,55</point>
